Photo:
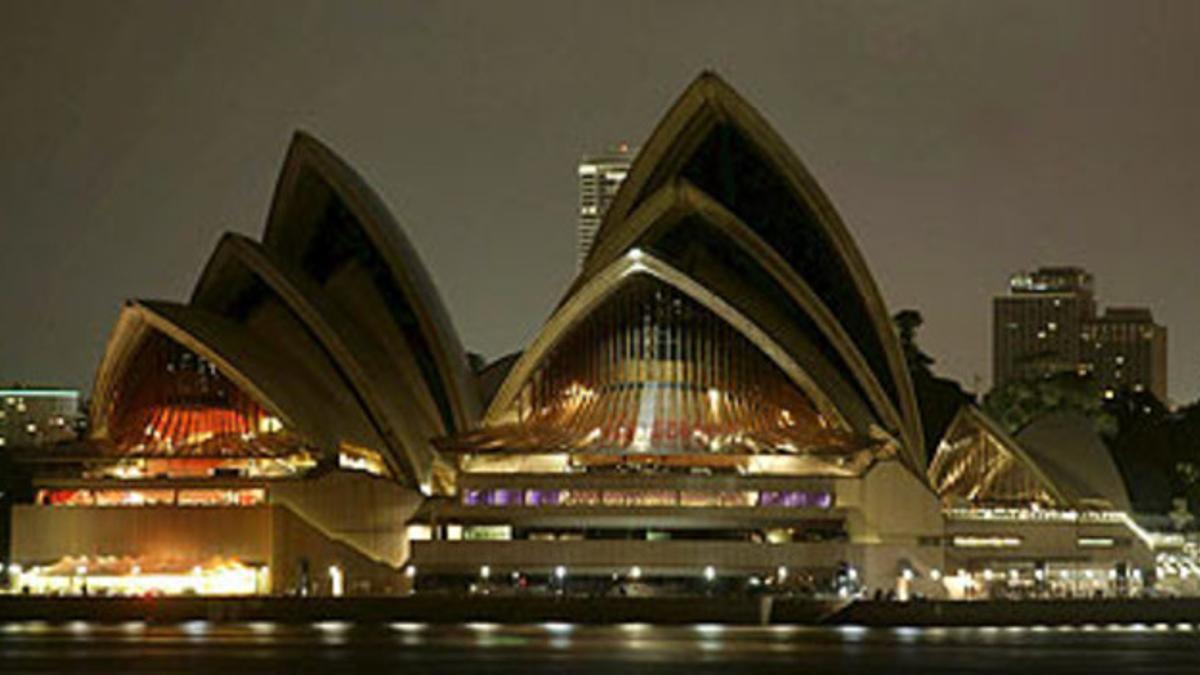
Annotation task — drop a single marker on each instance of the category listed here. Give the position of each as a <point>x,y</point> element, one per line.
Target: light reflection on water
<point>706,631</point>
<point>195,628</point>
<point>239,646</point>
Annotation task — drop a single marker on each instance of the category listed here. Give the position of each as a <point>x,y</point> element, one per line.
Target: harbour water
<point>259,647</point>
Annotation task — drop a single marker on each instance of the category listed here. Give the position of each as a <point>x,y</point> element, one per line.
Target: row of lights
<point>1038,574</point>
<point>560,572</point>
<point>485,572</point>
<point>710,573</point>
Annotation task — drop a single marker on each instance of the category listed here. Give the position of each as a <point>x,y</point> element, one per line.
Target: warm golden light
<point>652,375</point>
<point>110,575</point>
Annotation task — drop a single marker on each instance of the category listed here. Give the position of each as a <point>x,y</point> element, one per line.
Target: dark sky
<point>960,140</point>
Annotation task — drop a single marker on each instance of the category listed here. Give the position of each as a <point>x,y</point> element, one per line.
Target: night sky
<point>961,141</point>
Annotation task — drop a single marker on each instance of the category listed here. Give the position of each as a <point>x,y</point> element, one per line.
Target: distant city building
<point>37,415</point>
<point>1125,349</point>
<point>1048,324</point>
<point>1037,326</point>
<point>599,178</point>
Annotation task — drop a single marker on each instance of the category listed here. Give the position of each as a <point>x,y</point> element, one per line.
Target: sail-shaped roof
<point>1067,447</point>
<point>184,365</point>
<point>644,364</point>
<point>1058,461</point>
<point>716,203</point>
<point>332,325</point>
<point>978,464</point>
<point>715,148</point>
<point>718,227</point>
<point>328,223</point>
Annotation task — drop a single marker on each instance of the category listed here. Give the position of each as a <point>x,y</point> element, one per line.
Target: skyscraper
<point>599,178</point>
<point>1125,349</point>
<point>1037,327</point>
<point>1047,324</point>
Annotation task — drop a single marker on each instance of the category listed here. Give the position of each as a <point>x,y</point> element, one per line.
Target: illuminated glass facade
<point>653,377</point>
<point>173,402</point>
<point>506,497</point>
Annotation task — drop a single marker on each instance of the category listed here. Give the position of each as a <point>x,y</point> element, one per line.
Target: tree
<point>1135,410</point>
<point>939,399</point>
<point>1017,403</point>
<point>1158,451</point>
<point>907,322</point>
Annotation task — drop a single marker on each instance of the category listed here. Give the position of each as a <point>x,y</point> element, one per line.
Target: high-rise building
<point>1047,324</point>
<point>1125,349</point>
<point>1038,325</point>
<point>599,178</point>
<point>37,415</point>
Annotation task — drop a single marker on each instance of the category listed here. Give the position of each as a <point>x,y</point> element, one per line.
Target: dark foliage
<point>1157,451</point>
<point>939,398</point>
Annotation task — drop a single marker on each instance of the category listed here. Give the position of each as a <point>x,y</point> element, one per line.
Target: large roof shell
<point>334,305</point>
<point>788,277</point>
<point>359,352</point>
<point>305,399</point>
<point>713,136</point>
<point>389,390</point>
<point>1068,449</point>
<point>978,464</point>
<point>315,181</point>
<point>1059,458</point>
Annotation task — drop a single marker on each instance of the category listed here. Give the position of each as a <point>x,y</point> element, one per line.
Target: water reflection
<point>337,646</point>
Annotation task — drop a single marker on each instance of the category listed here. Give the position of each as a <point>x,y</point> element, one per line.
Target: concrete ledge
<point>429,609</point>
<point>734,611</point>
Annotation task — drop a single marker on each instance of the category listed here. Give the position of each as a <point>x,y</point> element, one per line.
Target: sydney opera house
<point>718,402</point>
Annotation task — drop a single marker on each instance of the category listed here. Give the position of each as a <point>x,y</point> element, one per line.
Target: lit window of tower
<point>599,178</point>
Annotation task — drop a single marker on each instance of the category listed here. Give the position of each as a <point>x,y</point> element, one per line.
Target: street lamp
<point>710,573</point>
<point>337,581</point>
<point>81,574</point>
<point>14,574</point>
